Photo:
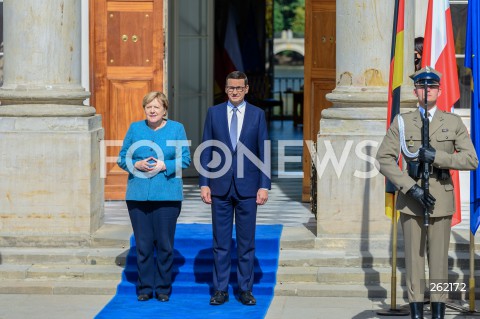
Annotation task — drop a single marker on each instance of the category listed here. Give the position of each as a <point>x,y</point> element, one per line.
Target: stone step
<point>459,241</point>
<point>306,269</point>
<point>313,289</point>
<point>288,257</point>
<point>111,235</point>
<point>302,289</point>
<point>298,237</point>
<point>310,289</point>
<point>334,275</point>
<point>378,258</point>
<point>61,272</point>
<point>58,287</point>
<point>71,256</point>
<point>336,258</point>
<point>356,275</point>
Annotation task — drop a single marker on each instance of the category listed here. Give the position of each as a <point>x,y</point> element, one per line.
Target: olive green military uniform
<point>454,150</point>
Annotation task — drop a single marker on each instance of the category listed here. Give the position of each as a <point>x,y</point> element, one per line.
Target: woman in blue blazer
<point>154,152</point>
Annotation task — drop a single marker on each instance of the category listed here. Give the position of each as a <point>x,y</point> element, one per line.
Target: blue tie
<point>233,128</point>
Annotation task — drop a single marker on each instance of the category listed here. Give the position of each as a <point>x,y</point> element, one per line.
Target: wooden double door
<point>127,55</point>
<point>126,61</point>
<point>320,74</point>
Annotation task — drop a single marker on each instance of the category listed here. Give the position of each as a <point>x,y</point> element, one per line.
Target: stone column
<point>52,193</point>
<point>351,194</point>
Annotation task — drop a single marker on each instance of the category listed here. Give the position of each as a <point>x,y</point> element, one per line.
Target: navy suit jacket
<point>251,142</point>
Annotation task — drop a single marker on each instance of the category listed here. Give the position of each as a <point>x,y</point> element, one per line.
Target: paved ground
<point>284,206</point>
<point>83,307</point>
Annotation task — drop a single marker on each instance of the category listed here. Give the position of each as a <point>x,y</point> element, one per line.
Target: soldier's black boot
<point>416,310</point>
<point>438,310</point>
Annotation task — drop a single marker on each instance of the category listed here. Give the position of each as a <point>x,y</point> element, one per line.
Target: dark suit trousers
<point>224,209</point>
<point>154,224</point>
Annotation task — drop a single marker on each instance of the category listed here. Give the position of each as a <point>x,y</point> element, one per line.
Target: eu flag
<point>472,50</point>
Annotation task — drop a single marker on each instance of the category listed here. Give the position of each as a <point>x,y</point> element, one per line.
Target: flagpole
<point>471,294</point>
<point>393,311</point>
<point>393,108</point>
<point>471,311</point>
<point>393,301</point>
<point>472,48</point>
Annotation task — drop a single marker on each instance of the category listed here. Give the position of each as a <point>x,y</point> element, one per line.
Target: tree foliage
<point>289,15</point>
<point>298,24</point>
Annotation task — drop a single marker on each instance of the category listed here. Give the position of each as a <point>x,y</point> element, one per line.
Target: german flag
<point>394,86</point>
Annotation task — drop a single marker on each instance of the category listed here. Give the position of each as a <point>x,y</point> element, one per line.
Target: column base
<point>351,191</point>
<point>50,175</point>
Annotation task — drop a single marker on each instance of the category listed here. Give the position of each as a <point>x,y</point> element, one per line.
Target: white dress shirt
<point>431,112</point>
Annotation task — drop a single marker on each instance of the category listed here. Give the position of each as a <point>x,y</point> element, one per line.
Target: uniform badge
<point>410,143</point>
<point>444,129</point>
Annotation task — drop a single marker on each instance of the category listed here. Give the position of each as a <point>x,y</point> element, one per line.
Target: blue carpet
<point>192,279</point>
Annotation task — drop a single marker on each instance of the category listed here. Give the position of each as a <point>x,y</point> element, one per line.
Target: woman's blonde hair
<point>149,97</point>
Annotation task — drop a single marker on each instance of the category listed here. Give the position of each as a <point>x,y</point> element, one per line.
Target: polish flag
<point>233,54</point>
<point>228,56</point>
<point>439,53</point>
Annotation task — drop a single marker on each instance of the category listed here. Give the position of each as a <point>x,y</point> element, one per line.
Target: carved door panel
<point>127,56</point>
<point>320,43</point>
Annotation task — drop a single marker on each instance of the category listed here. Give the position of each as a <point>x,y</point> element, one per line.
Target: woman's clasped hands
<point>150,164</point>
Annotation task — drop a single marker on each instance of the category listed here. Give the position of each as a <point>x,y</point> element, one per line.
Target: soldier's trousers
<point>415,238</point>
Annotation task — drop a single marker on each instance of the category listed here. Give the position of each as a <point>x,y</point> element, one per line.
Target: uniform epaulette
<point>450,113</point>
<point>409,111</point>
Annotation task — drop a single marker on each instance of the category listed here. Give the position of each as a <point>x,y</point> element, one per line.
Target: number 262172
<point>447,286</point>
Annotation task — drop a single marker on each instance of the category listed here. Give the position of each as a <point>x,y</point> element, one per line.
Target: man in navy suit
<point>237,130</point>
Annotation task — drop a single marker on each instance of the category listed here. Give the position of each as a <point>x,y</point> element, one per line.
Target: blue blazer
<point>166,185</point>
<point>251,142</point>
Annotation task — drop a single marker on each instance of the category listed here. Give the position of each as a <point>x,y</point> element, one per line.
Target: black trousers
<point>154,224</point>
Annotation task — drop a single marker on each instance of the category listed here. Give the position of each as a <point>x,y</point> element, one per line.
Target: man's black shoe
<point>219,298</point>
<point>144,297</point>
<point>163,297</point>
<point>247,298</point>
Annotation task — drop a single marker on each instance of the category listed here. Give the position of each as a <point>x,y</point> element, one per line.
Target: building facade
<point>92,70</point>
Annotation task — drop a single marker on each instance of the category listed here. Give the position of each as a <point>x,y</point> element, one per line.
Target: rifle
<point>426,166</point>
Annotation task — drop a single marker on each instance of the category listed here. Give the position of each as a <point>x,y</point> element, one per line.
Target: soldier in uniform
<point>450,148</point>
